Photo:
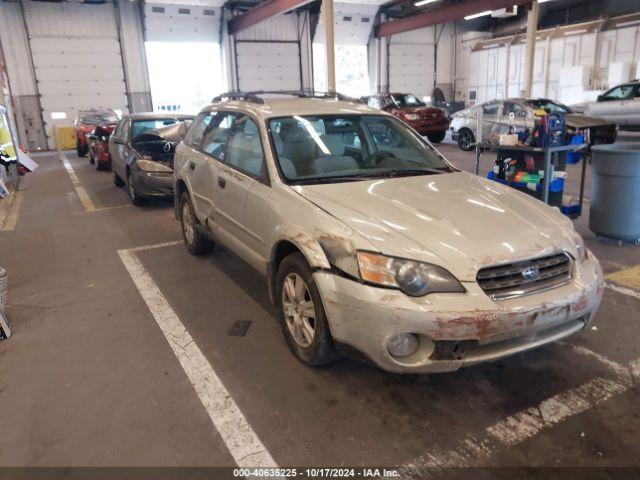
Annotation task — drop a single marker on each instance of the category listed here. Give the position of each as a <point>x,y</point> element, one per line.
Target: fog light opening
<point>403,345</point>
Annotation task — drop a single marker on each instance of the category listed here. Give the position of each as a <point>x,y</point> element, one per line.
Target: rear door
<point>116,147</point>
<point>633,109</point>
<point>241,191</point>
<point>513,114</point>
<point>613,104</point>
<point>490,119</point>
<point>192,164</point>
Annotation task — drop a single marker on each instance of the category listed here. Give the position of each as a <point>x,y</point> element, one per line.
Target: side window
<point>126,127</point>
<point>619,93</point>
<point>245,149</point>
<point>195,134</point>
<point>216,136</point>
<point>636,93</point>
<point>517,110</point>
<point>490,108</point>
<point>118,131</point>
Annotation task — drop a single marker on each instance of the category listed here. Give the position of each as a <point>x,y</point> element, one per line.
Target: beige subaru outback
<point>372,244</point>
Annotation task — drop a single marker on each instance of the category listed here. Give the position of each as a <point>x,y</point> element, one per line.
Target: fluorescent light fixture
<point>576,32</point>
<point>58,115</point>
<point>476,15</point>
<point>628,24</point>
<point>424,2</point>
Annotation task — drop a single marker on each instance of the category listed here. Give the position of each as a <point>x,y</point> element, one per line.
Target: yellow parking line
<point>629,277</point>
<point>84,197</point>
<point>10,215</point>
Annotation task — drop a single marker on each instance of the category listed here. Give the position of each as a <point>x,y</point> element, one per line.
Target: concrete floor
<point>88,378</point>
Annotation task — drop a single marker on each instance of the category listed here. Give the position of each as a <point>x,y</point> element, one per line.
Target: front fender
<point>305,242</point>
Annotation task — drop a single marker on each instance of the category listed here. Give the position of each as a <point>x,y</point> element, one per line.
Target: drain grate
<point>239,328</point>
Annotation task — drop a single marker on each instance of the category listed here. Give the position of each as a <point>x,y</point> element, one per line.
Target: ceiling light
<point>476,15</point>
<point>424,2</point>
<point>576,32</point>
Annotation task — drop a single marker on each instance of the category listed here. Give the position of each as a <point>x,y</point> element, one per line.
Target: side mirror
<point>117,140</point>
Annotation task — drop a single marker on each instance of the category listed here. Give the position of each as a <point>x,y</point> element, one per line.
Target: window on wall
<point>352,69</point>
<point>184,76</point>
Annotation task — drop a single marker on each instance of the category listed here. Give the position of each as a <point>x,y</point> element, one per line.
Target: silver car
<point>619,105</point>
<point>496,119</point>
<point>372,244</point>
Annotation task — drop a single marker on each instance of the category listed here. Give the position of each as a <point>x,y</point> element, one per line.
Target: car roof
<point>160,116</point>
<point>272,107</point>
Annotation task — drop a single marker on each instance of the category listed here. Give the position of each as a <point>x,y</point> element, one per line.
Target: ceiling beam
<point>443,14</point>
<point>261,12</point>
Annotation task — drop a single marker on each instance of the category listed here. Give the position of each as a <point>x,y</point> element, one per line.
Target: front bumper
<point>151,184</point>
<point>456,330</point>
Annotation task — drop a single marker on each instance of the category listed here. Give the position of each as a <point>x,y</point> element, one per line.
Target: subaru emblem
<point>530,273</point>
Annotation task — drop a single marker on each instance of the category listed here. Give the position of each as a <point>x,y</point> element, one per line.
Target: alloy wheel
<point>188,223</point>
<point>299,310</point>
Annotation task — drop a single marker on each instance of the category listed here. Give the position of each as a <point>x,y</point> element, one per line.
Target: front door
<point>612,104</point>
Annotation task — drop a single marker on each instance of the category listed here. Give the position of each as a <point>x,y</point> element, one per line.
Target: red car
<point>430,121</point>
<point>99,146</point>
<point>86,121</point>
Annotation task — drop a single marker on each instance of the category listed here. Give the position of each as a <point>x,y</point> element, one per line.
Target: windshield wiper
<point>399,172</point>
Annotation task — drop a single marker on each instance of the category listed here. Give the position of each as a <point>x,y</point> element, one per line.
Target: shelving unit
<point>550,155</point>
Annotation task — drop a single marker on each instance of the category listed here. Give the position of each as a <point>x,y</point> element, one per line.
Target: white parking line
<point>528,423</point>
<point>624,290</point>
<point>241,440</point>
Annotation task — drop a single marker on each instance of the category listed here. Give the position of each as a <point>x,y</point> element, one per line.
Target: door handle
<point>192,165</point>
<point>222,182</point>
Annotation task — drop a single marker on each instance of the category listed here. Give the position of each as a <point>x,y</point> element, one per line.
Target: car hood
<point>459,221</point>
<point>418,110</point>
<point>579,120</point>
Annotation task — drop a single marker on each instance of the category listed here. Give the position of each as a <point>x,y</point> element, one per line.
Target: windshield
<point>96,118</point>
<point>142,126</point>
<point>327,148</point>
<point>549,106</point>
<point>406,100</point>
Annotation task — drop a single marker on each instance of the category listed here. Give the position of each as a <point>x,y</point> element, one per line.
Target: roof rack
<point>254,96</point>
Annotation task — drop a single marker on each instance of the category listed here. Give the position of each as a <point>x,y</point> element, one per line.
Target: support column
<point>532,31</point>
<point>327,18</point>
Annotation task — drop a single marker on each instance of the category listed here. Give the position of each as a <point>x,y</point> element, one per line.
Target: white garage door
<point>77,61</point>
<point>268,65</point>
<point>411,69</point>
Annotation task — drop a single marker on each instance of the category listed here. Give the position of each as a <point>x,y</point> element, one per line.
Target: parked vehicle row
<point>496,119</point>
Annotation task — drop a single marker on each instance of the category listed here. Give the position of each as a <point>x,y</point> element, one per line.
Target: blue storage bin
<point>575,157</point>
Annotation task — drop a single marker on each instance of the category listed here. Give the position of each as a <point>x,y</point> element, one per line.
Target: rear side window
<point>118,131</point>
<point>619,93</point>
<point>490,109</point>
<point>196,132</point>
<point>216,136</point>
<point>245,148</point>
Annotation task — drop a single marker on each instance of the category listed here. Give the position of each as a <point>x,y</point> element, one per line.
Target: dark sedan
<point>142,148</point>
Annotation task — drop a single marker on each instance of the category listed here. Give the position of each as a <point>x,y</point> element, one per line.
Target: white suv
<point>372,244</point>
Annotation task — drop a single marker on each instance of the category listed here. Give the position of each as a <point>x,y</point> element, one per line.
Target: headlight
<point>413,278</point>
<point>580,247</point>
<point>412,116</point>
<point>151,166</point>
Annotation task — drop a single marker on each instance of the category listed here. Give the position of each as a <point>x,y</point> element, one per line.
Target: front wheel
<point>302,315</point>
<point>465,139</point>
<point>196,242</point>
<point>136,199</point>
<point>436,137</point>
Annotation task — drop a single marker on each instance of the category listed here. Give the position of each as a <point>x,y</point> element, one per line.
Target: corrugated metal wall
<point>565,68</point>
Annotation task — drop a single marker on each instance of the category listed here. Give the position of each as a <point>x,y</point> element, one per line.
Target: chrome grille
<point>526,277</point>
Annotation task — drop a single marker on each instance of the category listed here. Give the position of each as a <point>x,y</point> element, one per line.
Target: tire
<point>117,180</point>
<point>196,243</point>
<point>316,349</point>
<point>465,140</point>
<point>136,199</point>
<point>82,150</point>
<point>91,159</point>
<point>436,137</point>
